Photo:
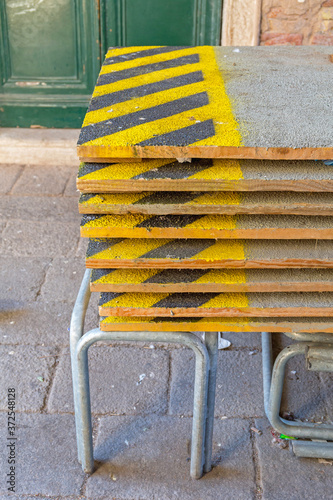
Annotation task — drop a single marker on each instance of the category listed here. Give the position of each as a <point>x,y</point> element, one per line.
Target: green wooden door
<point>51,50</point>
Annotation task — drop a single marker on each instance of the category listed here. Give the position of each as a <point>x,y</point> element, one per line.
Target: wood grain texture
<point>227,203</point>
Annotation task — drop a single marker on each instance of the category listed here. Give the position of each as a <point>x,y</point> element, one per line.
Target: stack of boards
<point>206,190</point>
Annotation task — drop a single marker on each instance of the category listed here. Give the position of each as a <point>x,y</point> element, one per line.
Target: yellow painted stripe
<point>124,170</point>
<point>128,221</point>
<point>214,222</point>
<point>130,276</point>
<point>138,81</point>
<point>226,277</point>
<point>119,51</point>
<point>223,249</point>
<point>230,300</point>
<point>142,103</point>
<point>221,169</point>
<point>143,61</point>
<point>142,300</point>
<point>115,198</point>
<point>130,249</point>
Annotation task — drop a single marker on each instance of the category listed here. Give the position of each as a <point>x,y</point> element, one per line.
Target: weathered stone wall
<point>297,22</point>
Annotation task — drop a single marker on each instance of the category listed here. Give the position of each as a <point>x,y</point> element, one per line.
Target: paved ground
<point>142,430</point>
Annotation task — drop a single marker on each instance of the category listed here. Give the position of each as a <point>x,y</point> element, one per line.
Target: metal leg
<point>273,387</point>
<point>75,333</point>
<point>211,341</point>
<point>200,389</point>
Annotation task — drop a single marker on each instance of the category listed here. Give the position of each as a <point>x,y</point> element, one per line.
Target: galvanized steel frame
<point>204,381</point>
<point>273,377</point>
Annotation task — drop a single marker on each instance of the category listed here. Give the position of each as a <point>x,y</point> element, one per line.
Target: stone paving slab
<point>63,279</point>
<point>46,456</point>
<point>21,279</point>
<point>250,340</point>
<point>148,458</point>
<point>128,380</point>
<point>42,322</point>
<point>39,239</point>
<point>239,384</point>
<point>55,208</point>
<point>28,369</point>
<point>286,477</point>
<point>8,175</point>
<point>35,180</point>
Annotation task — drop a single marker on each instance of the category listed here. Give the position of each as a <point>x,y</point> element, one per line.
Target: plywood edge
<point>108,153</point>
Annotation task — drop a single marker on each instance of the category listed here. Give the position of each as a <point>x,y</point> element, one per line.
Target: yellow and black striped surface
<point>217,304</point>
<point>156,324</point>
<point>207,226</point>
<point>206,175</point>
<point>176,102</point>
<point>211,280</point>
<point>208,254</point>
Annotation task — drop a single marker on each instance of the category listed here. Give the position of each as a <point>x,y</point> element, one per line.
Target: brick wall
<point>297,22</point>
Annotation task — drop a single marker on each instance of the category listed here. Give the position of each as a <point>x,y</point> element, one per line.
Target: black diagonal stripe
<point>169,221</point>
<point>97,245</point>
<point>151,88</point>
<point>176,170</point>
<point>86,197</point>
<point>107,296</point>
<point>167,198</point>
<point>175,320</point>
<point>185,300</point>
<point>109,127</point>
<point>138,54</point>
<point>99,273</point>
<point>90,217</point>
<point>178,249</point>
<point>88,168</point>
<point>168,276</point>
<point>123,74</point>
<point>183,136</point>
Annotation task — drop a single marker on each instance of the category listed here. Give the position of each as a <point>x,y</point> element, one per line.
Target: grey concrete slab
<point>238,386</point>
<point>28,369</point>
<point>286,477</point>
<point>39,208</point>
<point>46,456</point>
<point>21,279</point>
<point>42,322</point>
<point>63,279</point>
<point>42,181</point>
<point>145,458</point>
<point>40,239</point>
<point>9,175</point>
<point>123,380</point>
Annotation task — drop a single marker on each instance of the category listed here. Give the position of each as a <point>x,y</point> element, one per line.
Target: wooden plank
<point>107,160</point>
<point>282,325</point>
<point>217,304</point>
<point>228,203</point>
<point>206,175</point>
<point>211,102</point>
<point>211,280</point>
<point>207,226</point>
<point>208,254</point>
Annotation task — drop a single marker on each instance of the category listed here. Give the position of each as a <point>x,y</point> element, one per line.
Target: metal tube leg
<point>200,389</point>
<point>211,342</point>
<point>266,343</point>
<point>75,333</point>
<point>84,424</point>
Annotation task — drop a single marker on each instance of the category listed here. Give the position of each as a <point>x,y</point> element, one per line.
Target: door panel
<point>50,60</point>
<point>160,22</point>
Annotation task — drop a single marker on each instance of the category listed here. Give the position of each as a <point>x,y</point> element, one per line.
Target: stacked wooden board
<point>237,233</point>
